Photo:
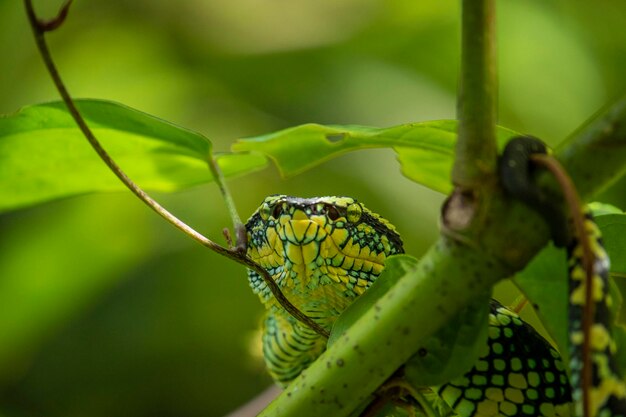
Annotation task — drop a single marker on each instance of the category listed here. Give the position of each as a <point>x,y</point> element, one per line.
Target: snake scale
<point>324,252</point>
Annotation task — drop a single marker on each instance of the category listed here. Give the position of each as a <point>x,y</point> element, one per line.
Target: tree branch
<point>476,150</point>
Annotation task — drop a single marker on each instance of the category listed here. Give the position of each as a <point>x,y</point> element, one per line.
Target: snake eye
<point>278,210</point>
<point>353,212</point>
<point>264,211</point>
<point>331,212</point>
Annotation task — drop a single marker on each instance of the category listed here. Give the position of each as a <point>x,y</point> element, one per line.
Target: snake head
<point>310,242</point>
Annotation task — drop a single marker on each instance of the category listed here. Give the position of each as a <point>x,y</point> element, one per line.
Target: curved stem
<point>237,255</point>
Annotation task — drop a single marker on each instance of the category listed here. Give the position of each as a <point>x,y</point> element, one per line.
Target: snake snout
<point>301,232</point>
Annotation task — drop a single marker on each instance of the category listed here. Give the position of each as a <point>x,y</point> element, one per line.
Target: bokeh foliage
<point>120,314</point>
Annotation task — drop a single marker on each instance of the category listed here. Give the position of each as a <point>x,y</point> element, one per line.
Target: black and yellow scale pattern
<point>608,388</point>
<point>518,374</point>
<point>324,252</point>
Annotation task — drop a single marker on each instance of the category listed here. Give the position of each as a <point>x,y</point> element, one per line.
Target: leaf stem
<point>39,29</point>
<point>240,230</point>
<point>476,150</point>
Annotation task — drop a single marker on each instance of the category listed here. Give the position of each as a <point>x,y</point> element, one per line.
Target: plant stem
<point>240,231</point>
<point>237,255</point>
<point>476,150</point>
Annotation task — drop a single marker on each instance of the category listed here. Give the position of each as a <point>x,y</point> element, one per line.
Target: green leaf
<point>544,283</point>
<point>425,150</point>
<point>44,156</point>
<point>600,209</point>
<point>613,228</point>
<point>619,335</point>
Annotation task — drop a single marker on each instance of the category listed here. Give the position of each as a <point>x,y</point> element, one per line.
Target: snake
<point>324,252</point>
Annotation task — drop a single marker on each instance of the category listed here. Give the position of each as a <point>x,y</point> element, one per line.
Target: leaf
<point>619,335</point>
<point>44,156</point>
<point>431,167</point>
<point>600,209</point>
<point>544,283</point>
<point>425,150</point>
<point>613,228</point>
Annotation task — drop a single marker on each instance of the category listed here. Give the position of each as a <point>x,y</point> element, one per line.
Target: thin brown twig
<point>573,201</point>
<point>519,304</point>
<point>40,27</point>
<point>57,21</point>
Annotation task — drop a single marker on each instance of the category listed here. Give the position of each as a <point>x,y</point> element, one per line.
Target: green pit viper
<point>324,252</point>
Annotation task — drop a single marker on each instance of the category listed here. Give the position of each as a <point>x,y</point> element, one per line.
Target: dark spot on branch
<point>336,137</point>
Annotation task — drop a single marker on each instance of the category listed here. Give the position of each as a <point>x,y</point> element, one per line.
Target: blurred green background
<point>105,310</point>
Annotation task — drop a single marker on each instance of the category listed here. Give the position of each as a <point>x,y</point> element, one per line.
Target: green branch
<point>476,149</point>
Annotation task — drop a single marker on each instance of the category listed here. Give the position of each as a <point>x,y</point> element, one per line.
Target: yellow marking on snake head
<point>310,253</point>
<point>294,253</point>
<point>300,228</point>
<point>348,263</point>
<point>339,236</point>
<point>358,264</point>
